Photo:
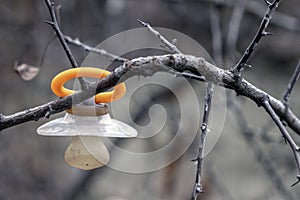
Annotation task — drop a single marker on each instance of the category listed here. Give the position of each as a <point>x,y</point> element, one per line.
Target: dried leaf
<point>26,72</point>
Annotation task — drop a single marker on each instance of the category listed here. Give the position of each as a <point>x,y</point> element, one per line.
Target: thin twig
<point>59,34</point>
<point>164,41</point>
<point>291,84</point>
<point>86,47</point>
<point>55,26</point>
<point>204,126</point>
<point>259,34</point>
<point>295,148</point>
<point>174,49</point>
<point>260,155</point>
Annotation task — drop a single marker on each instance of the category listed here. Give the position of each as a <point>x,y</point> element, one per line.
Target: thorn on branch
<point>143,23</point>
<point>174,41</point>
<point>48,22</point>
<point>199,188</point>
<point>1,117</point>
<point>195,159</point>
<point>298,180</point>
<point>284,139</point>
<point>204,126</point>
<point>284,123</point>
<point>247,65</point>
<point>47,115</point>
<point>265,33</point>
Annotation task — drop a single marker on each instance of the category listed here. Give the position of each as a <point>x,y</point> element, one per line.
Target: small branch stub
<point>298,181</point>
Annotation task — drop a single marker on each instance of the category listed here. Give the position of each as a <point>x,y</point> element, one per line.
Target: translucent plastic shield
<point>73,125</point>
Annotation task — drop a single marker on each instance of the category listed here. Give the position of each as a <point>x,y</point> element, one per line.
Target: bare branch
<point>55,26</point>
<point>163,40</point>
<point>59,34</point>
<point>295,148</point>
<point>102,52</point>
<point>259,34</point>
<point>291,84</point>
<point>204,126</point>
<point>147,66</point>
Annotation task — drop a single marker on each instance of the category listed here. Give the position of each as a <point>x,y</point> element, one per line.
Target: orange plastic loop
<point>57,84</point>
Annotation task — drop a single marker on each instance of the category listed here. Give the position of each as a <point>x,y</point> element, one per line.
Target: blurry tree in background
<point>250,161</point>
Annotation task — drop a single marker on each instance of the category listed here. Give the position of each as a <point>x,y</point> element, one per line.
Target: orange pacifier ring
<point>57,84</point>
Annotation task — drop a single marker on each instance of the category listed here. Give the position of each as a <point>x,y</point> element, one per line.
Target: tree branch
<point>102,52</point>
<point>55,26</point>
<point>259,34</point>
<point>147,66</point>
<point>204,127</point>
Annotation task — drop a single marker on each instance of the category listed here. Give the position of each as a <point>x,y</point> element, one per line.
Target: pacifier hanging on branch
<point>87,122</point>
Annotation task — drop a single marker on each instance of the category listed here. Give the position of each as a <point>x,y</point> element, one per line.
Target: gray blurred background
<point>245,164</point>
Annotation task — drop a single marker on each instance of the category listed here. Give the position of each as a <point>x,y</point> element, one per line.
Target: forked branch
<point>55,26</point>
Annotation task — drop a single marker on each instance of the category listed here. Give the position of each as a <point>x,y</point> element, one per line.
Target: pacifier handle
<point>57,84</point>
